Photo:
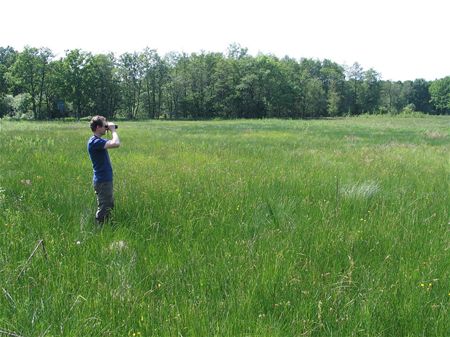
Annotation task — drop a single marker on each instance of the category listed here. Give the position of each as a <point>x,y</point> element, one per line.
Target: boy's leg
<point>105,200</point>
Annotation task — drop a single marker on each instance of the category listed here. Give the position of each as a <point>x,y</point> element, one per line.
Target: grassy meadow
<point>229,228</point>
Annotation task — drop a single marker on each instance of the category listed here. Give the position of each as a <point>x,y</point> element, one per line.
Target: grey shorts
<point>105,200</point>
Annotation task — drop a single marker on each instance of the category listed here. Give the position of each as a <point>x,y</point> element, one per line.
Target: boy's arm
<point>115,141</point>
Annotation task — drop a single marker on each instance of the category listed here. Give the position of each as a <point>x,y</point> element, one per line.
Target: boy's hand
<point>111,127</point>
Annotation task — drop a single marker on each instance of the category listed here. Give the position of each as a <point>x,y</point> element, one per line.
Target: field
<point>229,228</point>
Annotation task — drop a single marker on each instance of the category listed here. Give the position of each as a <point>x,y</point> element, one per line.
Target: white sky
<point>401,39</point>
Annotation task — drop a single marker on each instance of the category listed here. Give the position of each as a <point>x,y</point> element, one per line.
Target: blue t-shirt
<point>100,159</point>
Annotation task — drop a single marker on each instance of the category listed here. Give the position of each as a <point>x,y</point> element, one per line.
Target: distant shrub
<point>22,106</point>
<point>6,106</point>
<point>69,119</point>
<point>16,107</point>
<point>383,110</point>
<point>409,109</point>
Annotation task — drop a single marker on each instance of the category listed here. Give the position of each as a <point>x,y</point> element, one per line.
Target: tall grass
<point>229,228</point>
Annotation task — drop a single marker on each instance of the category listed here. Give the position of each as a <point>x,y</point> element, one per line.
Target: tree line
<point>36,85</point>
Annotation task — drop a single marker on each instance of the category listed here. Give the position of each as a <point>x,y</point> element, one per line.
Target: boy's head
<point>98,121</point>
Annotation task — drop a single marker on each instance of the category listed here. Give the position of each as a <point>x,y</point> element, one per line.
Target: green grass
<point>229,228</point>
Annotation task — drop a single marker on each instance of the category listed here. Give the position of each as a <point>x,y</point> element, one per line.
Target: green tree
<point>174,88</point>
<point>333,80</point>
<point>224,88</point>
<point>333,99</point>
<point>421,95</point>
<point>151,61</point>
<point>295,78</point>
<point>390,93</point>
<point>440,95</point>
<point>28,75</point>
<point>312,84</point>
<point>275,89</point>
<point>371,88</point>
<point>198,78</point>
<point>236,64</point>
<point>131,73</point>
<point>102,83</point>
<point>55,90</point>
<point>249,90</point>
<point>75,78</point>
<point>355,75</point>
<point>178,90</point>
<point>315,98</point>
<point>7,58</point>
<point>45,57</point>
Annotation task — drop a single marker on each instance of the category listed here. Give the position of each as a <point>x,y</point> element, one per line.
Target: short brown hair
<point>97,121</point>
